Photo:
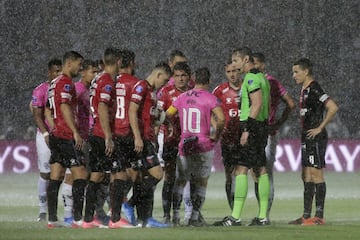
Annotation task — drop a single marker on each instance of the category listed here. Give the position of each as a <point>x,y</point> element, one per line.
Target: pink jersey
<point>62,90</point>
<point>40,97</point>
<point>83,112</point>
<point>230,102</point>
<point>277,90</point>
<point>195,108</point>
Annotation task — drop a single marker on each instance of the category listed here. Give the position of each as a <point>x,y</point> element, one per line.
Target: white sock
<point>187,200</point>
<point>42,187</point>
<point>66,193</point>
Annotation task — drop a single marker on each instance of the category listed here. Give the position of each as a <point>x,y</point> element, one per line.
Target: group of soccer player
<point>100,137</point>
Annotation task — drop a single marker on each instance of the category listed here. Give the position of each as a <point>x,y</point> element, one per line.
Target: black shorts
<point>98,161</point>
<point>253,153</point>
<point>231,154</point>
<point>124,146</point>
<point>63,152</point>
<point>147,159</point>
<point>313,150</point>
<point>170,152</point>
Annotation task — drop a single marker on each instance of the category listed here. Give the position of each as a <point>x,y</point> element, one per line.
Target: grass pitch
<point>18,212</point>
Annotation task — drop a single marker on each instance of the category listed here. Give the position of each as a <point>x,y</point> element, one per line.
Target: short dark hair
<point>243,52</point>
<point>175,53</point>
<point>202,76</point>
<point>164,67</point>
<point>111,55</point>
<point>227,62</point>
<point>127,56</point>
<point>88,63</point>
<point>305,63</point>
<point>259,56</point>
<point>54,62</point>
<point>182,66</point>
<point>72,55</point>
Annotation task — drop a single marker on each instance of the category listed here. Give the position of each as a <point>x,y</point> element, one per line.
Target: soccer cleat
<point>313,221</point>
<point>167,219</point>
<point>77,224</point>
<point>68,220</point>
<point>259,222</point>
<point>153,223</point>
<point>298,221</point>
<point>228,221</point>
<point>122,223</point>
<point>93,224</point>
<point>196,223</point>
<point>176,221</point>
<point>57,224</point>
<point>129,213</point>
<point>41,217</point>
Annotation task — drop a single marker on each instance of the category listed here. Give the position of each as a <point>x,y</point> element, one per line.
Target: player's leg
<point>67,197</point>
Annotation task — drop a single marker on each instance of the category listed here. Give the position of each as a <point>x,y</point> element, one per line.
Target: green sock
<point>264,192</point>
<point>241,189</point>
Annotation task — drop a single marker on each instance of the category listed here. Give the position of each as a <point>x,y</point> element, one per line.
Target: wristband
<point>45,134</point>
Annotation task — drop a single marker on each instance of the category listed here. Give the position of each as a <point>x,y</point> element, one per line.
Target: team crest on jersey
<point>250,81</point>
<point>108,88</point>
<point>67,87</point>
<point>139,89</point>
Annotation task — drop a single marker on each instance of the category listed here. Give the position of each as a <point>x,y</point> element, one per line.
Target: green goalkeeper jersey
<point>255,80</point>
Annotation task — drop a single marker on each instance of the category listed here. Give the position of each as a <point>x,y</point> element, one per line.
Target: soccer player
<point>37,108</point>
<point>102,153</point>
<point>65,141</point>
<point>195,108</point>
<point>166,96</point>
<point>255,97</point>
<point>278,94</point>
<point>229,95</point>
<point>313,103</point>
<point>142,115</point>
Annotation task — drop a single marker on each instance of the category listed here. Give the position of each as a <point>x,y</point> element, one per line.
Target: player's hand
<point>139,145</point>
<point>313,132</point>
<point>244,138</point>
<point>78,141</point>
<point>109,147</point>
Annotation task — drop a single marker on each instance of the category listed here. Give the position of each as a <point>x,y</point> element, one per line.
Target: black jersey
<point>312,105</point>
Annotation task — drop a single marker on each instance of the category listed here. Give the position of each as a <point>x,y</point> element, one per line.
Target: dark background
<point>327,32</point>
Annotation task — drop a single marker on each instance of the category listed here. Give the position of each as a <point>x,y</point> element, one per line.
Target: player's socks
<point>241,189</point>
<point>256,191</point>
<point>78,190</point>
<point>52,196</point>
<point>167,196</point>
<point>187,199</point>
<point>102,193</point>
<point>177,199</point>
<point>264,189</point>
<point>198,199</point>
<point>229,194</point>
<point>42,186</point>
<point>91,200</point>
<point>320,199</point>
<point>117,195</point>
<point>271,194</point>
<point>309,191</point>
<point>66,193</point>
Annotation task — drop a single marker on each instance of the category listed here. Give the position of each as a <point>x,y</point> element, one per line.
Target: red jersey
<point>102,90</point>
<point>62,90</point>
<point>230,100</point>
<point>124,85</point>
<point>144,95</point>
<point>166,96</point>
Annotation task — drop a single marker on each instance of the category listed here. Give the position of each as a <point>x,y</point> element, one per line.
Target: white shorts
<point>198,165</point>
<point>43,153</point>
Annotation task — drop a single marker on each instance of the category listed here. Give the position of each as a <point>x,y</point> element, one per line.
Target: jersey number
<point>191,120</point>
<point>120,111</point>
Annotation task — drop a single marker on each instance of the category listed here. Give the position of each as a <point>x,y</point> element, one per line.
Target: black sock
<point>320,199</point>
<point>167,193</point>
<point>229,194</point>
<point>309,191</point>
<point>118,189</point>
<point>78,190</point>
<point>256,190</point>
<point>101,196</point>
<point>147,195</point>
<point>91,200</point>
<point>52,198</point>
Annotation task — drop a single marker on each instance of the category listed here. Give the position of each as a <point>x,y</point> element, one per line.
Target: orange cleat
<point>122,223</point>
<point>313,221</point>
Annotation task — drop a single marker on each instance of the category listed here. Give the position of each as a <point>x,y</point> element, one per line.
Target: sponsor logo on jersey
<point>250,81</point>
<point>139,89</point>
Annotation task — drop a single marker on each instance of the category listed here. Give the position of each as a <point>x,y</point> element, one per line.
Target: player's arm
<point>219,122</point>
<point>49,118</point>
<point>133,119</point>
<point>68,116</point>
<point>103,111</point>
<point>170,113</point>
<point>331,109</point>
<point>290,106</point>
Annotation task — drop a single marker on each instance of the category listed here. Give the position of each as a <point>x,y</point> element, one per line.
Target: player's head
<point>202,76</point>
<point>181,74</point>
<point>112,57</point>
<point>89,70</point>
<point>241,57</point>
<point>100,65</point>
<point>175,57</point>
<point>54,68</point>
<point>128,59</point>
<point>72,62</point>
<point>259,61</point>
<point>160,74</point>
<point>232,72</point>
<point>302,70</point>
